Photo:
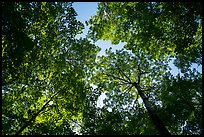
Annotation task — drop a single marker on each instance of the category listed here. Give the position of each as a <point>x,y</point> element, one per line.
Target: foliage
<point>44,67</point>
<point>158,28</point>
<point>154,32</point>
<point>51,81</point>
<point>124,111</point>
<point>120,115</point>
<point>115,74</point>
<point>185,93</point>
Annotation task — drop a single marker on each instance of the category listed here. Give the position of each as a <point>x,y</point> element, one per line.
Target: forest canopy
<point>52,81</point>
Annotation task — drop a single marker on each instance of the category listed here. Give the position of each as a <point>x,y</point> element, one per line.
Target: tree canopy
<point>158,28</point>
<point>52,81</point>
<point>44,68</point>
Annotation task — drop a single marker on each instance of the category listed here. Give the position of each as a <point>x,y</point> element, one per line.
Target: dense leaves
<point>116,74</point>
<point>158,28</point>
<point>185,93</point>
<point>52,82</point>
<point>154,32</point>
<point>44,68</point>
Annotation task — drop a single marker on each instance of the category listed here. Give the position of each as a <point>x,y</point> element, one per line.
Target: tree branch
<point>155,118</point>
<point>117,78</point>
<point>128,88</point>
<point>27,123</point>
<point>123,74</point>
<point>123,83</point>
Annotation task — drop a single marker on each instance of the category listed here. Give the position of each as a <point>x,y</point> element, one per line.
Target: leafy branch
<point>118,78</point>
<point>124,74</point>
<point>27,123</point>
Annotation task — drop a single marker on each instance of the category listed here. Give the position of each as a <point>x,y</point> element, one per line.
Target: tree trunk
<point>156,120</point>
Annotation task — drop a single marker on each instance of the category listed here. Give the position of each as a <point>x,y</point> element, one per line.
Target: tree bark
<point>155,118</point>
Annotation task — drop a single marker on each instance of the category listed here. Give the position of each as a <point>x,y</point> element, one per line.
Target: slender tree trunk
<point>27,123</point>
<point>156,120</point>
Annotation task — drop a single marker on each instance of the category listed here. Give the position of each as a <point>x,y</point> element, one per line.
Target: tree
<point>154,32</point>
<point>51,81</point>
<point>122,71</point>
<point>44,68</point>
<point>126,78</point>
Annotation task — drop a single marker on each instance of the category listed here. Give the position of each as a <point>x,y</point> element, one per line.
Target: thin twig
<point>128,88</point>
<point>118,78</point>
<point>122,83</point>
<point>124,74</point>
